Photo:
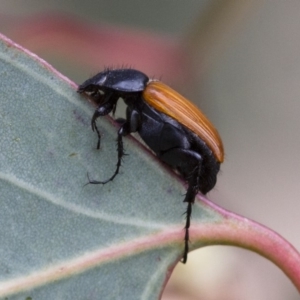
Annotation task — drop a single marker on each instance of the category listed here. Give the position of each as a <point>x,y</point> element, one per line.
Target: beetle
<point>172,127</point>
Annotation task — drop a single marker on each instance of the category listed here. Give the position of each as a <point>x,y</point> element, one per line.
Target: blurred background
<point>237,60</point>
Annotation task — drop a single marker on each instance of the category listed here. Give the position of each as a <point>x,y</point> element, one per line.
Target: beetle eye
<point>90,93</point>
<point>96,95</point>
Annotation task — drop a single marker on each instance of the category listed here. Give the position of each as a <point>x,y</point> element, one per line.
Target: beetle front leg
<point>124,130</point>
<point>121,153</point>
<point>102,110</point>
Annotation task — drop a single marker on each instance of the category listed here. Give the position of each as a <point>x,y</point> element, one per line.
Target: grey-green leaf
<point>59,238</point>
<point>62,239</point>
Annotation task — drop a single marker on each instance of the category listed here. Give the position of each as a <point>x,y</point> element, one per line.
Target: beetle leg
<point>103,110</point>
<point>129,125</point>
<point>193,189</point>
<point>100,111</point>
<point>191,172</point>
<point>121,153</point>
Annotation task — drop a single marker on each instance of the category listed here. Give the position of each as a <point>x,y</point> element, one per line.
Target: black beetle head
<point>119,80</point>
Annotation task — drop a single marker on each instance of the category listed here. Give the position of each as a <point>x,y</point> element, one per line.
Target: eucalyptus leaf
<point>63,239</point>
<point>51,221</point>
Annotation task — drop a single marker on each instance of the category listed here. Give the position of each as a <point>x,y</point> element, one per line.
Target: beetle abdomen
<point>166,100</point>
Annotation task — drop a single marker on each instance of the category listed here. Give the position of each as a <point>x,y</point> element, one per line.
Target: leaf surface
<point>62,239</point>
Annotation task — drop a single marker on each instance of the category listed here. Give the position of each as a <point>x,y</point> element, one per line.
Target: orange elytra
<point>166,100</point>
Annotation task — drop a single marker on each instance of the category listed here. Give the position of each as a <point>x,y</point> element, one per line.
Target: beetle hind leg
<point>190,199</point>
<point>186,236</point>
<point>189,164</point>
